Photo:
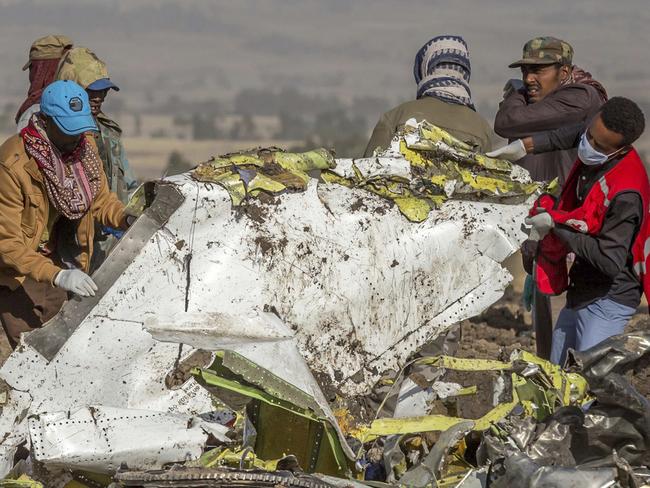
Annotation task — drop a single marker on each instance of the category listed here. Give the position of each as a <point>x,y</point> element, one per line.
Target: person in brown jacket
<point>53,189</point>
<point>442,72</point>
<point>552,93</point>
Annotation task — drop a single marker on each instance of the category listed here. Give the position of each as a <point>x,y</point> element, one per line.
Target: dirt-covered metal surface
<point>322,290</point>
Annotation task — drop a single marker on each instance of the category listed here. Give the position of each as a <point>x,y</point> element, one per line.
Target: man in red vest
<point>603,217</point>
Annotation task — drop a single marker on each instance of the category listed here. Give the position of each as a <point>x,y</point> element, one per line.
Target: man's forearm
<point>560,139</point>
<point>517,119</point>
<point>589,249</point>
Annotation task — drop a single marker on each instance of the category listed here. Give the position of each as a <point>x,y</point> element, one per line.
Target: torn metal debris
<point>100,439</point>
<point>235,335</point>
<point>423,168</point>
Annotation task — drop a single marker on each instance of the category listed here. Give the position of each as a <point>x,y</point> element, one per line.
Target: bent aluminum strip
<point>49,340</point>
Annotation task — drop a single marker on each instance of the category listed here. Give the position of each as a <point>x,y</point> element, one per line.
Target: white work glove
<point>76,281</point>
<point>512,152</point>
<point>541,224</point>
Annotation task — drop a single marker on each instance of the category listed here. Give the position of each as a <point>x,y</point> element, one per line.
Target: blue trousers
<point>585,327</point>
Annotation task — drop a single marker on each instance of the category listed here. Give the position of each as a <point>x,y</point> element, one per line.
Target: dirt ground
<point>498,331</point>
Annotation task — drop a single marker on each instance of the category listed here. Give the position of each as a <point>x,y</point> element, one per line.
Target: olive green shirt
<point>116,165</point>
<point>460,121</point>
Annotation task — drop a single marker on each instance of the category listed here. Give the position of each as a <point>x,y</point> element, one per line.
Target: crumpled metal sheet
<point>429,470</point>
<point>547,442</point>
<point>332,264</point>
<point>424,166</point>
<point>100,439</point>
<point>613,355</point>
<point>620,417</point>
<point>519,470</point>
<point>537,388</point>
<point>298,260</point>
<point>14,427</point>
<point>269,170</point>
<point>602,444</point>
<point>439,167</point>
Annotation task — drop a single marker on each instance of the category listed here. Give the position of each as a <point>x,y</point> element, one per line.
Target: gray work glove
<point>76,281</point>
<point>541,224</point>
<point>512,85</point>
<point>512,152</point>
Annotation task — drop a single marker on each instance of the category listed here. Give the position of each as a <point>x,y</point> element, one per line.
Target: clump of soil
<point>264,244</point>
<point>253,211</point>
<point>183,369</point>
<point>357,205</point>
<point>476,405</point>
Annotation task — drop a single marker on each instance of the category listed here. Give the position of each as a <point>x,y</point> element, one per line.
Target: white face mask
<point>589,156</point>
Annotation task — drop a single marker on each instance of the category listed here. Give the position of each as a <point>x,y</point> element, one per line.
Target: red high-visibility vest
<point>629,175</point>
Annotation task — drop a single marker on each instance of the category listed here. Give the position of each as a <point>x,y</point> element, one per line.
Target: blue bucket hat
<point>67,103</point>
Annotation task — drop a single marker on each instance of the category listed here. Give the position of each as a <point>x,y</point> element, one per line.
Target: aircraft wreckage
<point>245,319</point>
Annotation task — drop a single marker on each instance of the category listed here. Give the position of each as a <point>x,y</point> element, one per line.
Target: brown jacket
<point>570,104</point>
<point>24,210</point>
<point>460,121</point>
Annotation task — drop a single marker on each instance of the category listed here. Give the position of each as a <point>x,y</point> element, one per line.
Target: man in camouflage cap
<point>545,50</point>
<point>44,56</point>
<point>551,94</point>
<point>541,53</point>
<point>81,65</point>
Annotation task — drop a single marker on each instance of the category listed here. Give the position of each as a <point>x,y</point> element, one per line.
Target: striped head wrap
<point>442,70</point>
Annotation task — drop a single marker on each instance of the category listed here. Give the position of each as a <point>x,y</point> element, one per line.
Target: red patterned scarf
<point>41,74</point>
<point>578,75</point>
<point>71,180</point>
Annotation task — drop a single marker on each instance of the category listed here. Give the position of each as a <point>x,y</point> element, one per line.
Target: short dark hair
<point>624,117</point>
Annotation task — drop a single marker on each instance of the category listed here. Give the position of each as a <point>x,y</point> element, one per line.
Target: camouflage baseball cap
<point>83,66</point>
<point>545,50</point>
<point>48,47</point>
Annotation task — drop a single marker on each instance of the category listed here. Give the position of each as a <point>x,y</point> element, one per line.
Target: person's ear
<point>565,72</point>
